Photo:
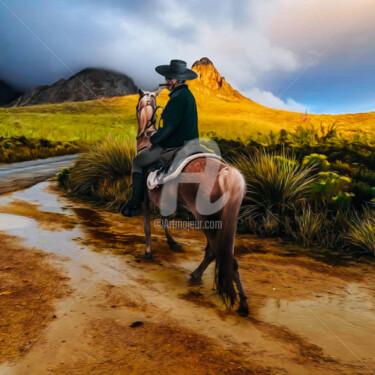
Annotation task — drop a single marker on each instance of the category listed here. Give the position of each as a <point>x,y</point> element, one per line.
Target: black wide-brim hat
<point>176,69</point>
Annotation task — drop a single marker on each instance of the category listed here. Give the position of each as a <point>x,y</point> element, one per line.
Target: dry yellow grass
<point>228,114</point>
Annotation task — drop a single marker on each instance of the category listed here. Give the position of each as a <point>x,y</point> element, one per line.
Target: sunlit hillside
<point>228,110</point>
<point>220,109</point>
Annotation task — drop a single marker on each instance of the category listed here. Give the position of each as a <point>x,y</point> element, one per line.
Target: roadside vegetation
<point>310,186</point>
<point>17,149</point>
<point>102,174</point>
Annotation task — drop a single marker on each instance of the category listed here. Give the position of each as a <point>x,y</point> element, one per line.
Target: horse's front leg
<point>147,227</point>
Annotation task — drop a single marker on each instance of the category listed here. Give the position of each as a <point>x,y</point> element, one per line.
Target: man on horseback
<point>180,124</point>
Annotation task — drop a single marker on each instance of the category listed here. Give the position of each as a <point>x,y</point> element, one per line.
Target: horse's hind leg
<point>209,256</point>
<point>173,245</point>
<point>243,310</point>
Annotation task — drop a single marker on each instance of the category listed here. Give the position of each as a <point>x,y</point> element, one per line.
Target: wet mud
<point>311,311</point>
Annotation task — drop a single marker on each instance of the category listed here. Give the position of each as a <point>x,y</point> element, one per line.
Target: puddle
<point>37,194</point>
<point>343,325</point>
<point>13,222</point>
<point>65,243</point>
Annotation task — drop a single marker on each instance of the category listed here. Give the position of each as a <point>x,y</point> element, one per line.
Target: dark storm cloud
<point>62,37</point>
<point>260,46</point>
<point>44,42</point>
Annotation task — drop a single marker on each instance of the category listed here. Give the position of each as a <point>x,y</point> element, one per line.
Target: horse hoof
<point>174,246</point>
<point>149,255</point>
<point>193,279</point>
<point>243,311</point>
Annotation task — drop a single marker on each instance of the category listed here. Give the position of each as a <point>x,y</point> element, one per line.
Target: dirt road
<point>24,174</point>
<point>112,312</point>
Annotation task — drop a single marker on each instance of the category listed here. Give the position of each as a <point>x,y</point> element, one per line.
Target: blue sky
<point>317,55</point>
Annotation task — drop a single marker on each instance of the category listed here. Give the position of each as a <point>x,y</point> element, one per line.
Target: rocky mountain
<point>210,81</point>
<point>7,93</point>
<point>88,84</point>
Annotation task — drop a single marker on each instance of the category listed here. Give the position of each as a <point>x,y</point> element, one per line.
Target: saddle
<point>173,160</point>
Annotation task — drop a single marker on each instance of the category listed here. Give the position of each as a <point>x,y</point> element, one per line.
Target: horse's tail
<point>230,180</point>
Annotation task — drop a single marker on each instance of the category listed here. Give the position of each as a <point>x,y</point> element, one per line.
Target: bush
<point>308,226</point>
<point>63,177</point>
<point>361,234</point>
<point>276,186</point>
<point>318,160</point>
<point>329,185</point>
<point>103,173</point>
<point>18,149</point>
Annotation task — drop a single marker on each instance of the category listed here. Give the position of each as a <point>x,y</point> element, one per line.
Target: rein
<point>153,119</point>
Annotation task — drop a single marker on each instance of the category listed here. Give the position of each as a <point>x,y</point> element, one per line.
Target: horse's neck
<point>150,128</point>
<point>145,130</point>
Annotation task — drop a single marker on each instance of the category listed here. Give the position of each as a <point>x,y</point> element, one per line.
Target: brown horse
<point>218,179</point>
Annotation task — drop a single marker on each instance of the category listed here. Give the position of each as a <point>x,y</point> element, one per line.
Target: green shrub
<point>342,167</point>
<point>308,226</point>
<point>276,185</point>
<point>103,172</point>
<point>362,173</point>
<point>318,160</point>
<point>362,191</point>
<point>342,201</point>
<point>361,234</point>
<point>20,149</point>
<point>329,185</point>
<point>63,176</point>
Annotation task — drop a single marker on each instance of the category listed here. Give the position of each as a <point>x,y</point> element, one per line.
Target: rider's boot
<point>133,206</point>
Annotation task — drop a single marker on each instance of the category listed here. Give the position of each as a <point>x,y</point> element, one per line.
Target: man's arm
<point>172,117</point>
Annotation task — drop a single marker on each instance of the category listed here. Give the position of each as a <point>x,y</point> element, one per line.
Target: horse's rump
<point>187,191</point>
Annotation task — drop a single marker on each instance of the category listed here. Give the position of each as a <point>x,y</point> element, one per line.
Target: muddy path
<point>311,312</point>
<point>15,176</point>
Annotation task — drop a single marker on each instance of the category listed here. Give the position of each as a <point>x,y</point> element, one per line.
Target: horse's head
<point>146,117</point>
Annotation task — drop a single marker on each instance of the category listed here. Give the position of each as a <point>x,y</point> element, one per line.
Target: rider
<point>180,124</point>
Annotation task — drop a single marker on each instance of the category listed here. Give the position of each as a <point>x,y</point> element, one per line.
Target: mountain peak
<point>203,61</point>
<point>210,82</point>
<point>88,84</point>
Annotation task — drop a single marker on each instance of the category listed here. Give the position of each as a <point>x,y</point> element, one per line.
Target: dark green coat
<point>180,119</point>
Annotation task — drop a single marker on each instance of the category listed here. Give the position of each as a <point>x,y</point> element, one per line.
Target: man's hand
<point>149,146</point>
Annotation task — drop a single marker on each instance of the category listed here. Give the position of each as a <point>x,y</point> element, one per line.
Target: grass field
<point>87,121</point>
<point>228,117</point>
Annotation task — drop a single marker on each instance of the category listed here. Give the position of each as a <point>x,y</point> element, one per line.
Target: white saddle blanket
<point>156,178</point>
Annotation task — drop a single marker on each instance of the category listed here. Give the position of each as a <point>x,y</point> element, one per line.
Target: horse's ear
<point>158,92</point>
<point>141,92</point>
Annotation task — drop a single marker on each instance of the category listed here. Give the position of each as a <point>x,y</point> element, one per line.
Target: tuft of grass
<point>361,233</point>
<point>103,173</point>
<point>276,183</point>
<point>308,226</point>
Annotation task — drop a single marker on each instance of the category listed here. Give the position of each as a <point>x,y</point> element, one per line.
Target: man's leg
<point>140,162</point>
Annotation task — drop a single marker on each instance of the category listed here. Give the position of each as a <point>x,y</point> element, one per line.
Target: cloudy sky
<point>314,55</point>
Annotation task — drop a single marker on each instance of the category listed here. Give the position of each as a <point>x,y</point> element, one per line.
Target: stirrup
<point>131,210</point>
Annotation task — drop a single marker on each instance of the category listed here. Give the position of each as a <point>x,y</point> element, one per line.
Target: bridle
<point>155,107</point>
